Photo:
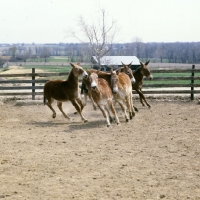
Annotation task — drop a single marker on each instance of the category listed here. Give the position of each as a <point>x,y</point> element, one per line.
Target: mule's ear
<point>130,64</point>
<point>89,73</point>
<point>118,71</point>
<point>122,63</point>
<point>111,70</point>
<point>78,63</point>
<point>72,64</point>
<point>147,62</point>
<point>141,63</point>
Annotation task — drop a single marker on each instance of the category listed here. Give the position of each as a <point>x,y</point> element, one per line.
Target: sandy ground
<point>154,156</point>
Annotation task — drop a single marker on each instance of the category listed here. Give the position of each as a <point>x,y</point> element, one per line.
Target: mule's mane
<point>139,68</point>
<point>72,77</point>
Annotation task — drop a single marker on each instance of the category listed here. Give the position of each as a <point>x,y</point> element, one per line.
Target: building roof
<point>116,60</point>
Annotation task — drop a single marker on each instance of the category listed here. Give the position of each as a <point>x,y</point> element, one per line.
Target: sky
<point>48,21</point>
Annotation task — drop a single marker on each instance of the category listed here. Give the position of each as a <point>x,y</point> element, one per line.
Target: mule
<point>67,90</point>
<point>138,74</point>
<point>102,95</point>
<point>87,91</point>
<point>122,91</point>
<point>124,94</point>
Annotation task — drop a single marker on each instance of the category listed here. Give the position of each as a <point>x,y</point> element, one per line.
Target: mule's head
<point>127,70</point>
<point>93,81</point>
<point>114,81</point>
<point>146,70</point>
<point>78,70</point>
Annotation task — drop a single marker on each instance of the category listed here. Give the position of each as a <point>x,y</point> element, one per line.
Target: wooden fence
<point>33,87</point>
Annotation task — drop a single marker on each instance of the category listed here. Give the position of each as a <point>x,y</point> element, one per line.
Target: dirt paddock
<point>154,156</point>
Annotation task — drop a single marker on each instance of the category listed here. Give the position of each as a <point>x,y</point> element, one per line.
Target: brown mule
<point>102,95</point>
<point>138,74</point>
<point>67,90</point>
<point>122,91</point>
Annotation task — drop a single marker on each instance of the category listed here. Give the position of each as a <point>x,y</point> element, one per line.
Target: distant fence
<point>33,87</point>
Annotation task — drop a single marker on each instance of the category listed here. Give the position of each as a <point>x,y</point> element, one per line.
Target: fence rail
<point>14,88</point>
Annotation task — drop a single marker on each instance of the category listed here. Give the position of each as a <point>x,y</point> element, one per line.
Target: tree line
<point>178,52</point>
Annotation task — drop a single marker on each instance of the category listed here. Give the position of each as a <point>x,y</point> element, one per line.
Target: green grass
<point>56,59</point>
<point>50,68</point>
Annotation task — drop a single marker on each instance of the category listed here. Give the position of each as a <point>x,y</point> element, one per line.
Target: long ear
<point>89,73</point>
<point>72,64</point>
<point>147,62</point>
<point>111,70</point>
<point>118,70</point>
<point>141,63</point>
<point>122,63</point>
<point>130,64</point>
<point>78,63</point>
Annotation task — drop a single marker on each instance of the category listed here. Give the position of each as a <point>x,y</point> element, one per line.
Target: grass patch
<point>50,68</point>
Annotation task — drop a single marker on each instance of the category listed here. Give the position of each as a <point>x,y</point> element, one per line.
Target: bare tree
<point>25,53</point>
<point>13,51</point>
<point>45,53</point>
<point>100,36</point>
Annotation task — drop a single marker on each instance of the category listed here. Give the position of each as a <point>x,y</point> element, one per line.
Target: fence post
<point>33,84</point>
<point>192,83</point>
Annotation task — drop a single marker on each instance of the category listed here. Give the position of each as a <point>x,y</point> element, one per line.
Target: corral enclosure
<point>154,156</point>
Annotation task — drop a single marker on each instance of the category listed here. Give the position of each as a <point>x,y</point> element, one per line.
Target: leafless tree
<point>100,36</point>
<point>45,53</point>
<point>13,51</point>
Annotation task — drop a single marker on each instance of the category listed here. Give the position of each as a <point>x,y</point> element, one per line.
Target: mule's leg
<point>85,99</point>
<point>142,97</point>
<point>101,107</point>
<point>123,107</point>
<point>78,100</point>
<point>113,111</point>
<point>59,104</point>
<point>78,108</point>
<point>50,101</point>
<point>130,106</point>
<point>108,111</point>
<point>93,103</point>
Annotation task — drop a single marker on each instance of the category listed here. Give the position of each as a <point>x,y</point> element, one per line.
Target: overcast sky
<point>47,21</point>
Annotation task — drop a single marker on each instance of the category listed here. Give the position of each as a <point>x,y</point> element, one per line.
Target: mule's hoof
<point>75,113</point>
<point>85,120</point>
<point>136,110</point>
<point>127,120</point>
<point>53,116</point>
<point>111,119</point>
<point>108,125</point>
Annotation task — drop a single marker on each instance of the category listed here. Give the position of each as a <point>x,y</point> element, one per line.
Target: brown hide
<point>67,90</point>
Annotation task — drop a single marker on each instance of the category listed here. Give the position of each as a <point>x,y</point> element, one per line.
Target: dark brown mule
<point>66,91</point>
<point>122,89</point>
<point>102,95</point>
<point>138,74</point>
